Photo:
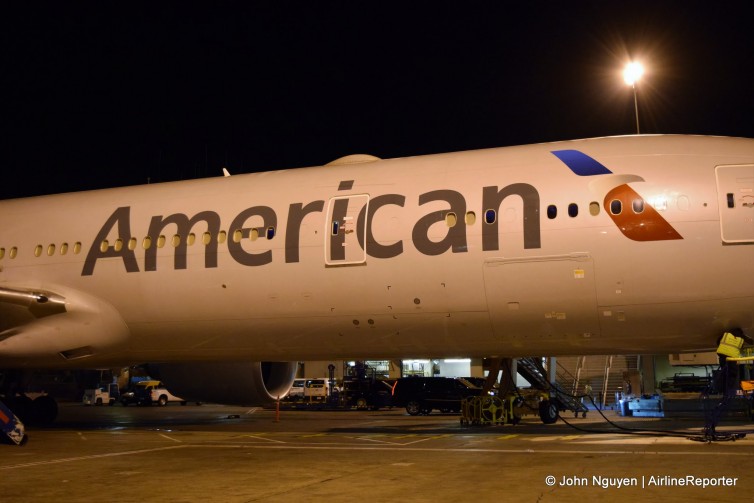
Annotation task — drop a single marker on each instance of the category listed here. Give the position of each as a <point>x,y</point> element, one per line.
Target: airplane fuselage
<point>502,252</point>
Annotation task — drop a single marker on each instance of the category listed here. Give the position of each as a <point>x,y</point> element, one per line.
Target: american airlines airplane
<point>639,244</point>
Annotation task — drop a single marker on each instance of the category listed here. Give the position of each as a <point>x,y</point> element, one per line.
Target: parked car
<point>420,395</point>
<point>367,393</point>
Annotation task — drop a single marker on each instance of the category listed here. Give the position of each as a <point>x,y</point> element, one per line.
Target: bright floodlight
<point>632,73</point>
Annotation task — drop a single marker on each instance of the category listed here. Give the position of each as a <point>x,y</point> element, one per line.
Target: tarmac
<point>239,454</point>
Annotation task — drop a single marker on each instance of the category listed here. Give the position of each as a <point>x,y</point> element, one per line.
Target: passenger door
<point>735,193</point>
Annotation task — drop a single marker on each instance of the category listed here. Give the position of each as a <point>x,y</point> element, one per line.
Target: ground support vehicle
<point>493,409</point>
<point>107,394</point>
<point>11,426</point>
<point>129,396</point>
<point>155,393</point>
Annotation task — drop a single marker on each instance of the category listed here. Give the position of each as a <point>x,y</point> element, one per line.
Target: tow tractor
<point>508,409</point>
<point>105,394</point>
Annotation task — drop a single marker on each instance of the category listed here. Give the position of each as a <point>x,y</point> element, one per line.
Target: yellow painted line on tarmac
<point>314,435</point>
<point>508,437</point>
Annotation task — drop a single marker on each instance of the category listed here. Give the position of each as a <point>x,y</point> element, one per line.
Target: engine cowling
<point>229,383</point>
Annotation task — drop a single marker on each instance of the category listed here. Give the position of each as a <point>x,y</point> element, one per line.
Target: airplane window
<point>254,234</point>
<point>594,208</point>
<point>64,248</point>
<point>489,216</point>
<point>552,211</point>
<point>335,227</point>
<point>206,238</point>
<point>451,219</point>
<point>470,218</point>
<point>638,205</point>
<point>118,244</point>
<point>132,244</point>
<point>38,251</point>
<point>616,207</point>
<point>176,241</point>
<point>270,232</point>
<point>160,241</point>
<point>191,239</point>
<point>2,252</point>
<point>104,245</point>
<point>77,247</point>
<point>237,235</point>
<point>147,243</point>
<point>222,236</point>
<point>573,210</point>
<point>51,250</point>
<point>730,200</point>
<point>13,252</point>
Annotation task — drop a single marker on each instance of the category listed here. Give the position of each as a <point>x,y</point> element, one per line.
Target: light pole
<point>631,75</point>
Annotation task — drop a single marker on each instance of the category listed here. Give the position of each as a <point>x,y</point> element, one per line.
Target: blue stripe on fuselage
<point>580,163</point>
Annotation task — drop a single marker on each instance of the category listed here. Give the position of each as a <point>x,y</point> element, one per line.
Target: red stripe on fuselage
<point>648,225</point>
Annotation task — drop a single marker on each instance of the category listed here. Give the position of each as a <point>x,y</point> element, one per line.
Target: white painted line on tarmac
<point>425,439</point>
<point>171,438</point>
<point>402,447</point>
<point>94,456</point>
<point>261,438</point>
<point>374,440</point>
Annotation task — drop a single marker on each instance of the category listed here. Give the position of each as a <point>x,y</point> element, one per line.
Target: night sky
<point>105,94</point>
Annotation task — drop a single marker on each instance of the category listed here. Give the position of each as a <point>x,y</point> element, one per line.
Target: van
<point>297,390</point>
<point>317,389</point>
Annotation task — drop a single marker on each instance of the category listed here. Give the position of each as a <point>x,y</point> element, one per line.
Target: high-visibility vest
<point>730,345</point>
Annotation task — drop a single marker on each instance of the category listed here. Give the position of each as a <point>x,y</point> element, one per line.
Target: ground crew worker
<point>587,393</point>
<point>730,347</point>
<point>731,344</point>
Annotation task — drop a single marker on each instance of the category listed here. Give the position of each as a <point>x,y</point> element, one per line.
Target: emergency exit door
<point>344,242</point>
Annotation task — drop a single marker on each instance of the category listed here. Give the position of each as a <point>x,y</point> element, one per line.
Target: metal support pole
<point>636,108</point>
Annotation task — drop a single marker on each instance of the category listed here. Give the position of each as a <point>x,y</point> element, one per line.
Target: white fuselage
<point>441,255</point>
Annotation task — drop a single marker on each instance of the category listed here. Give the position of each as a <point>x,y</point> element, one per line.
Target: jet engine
<point>229,383</point>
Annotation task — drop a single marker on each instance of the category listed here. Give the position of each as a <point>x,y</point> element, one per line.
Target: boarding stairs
<point>533,370</point>
<point>604,373</point>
